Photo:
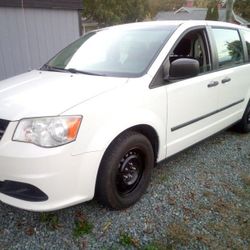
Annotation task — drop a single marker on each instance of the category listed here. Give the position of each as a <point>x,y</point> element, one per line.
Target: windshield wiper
<point>75,71</point>
<point>71,70</point>
<point>53,68</point>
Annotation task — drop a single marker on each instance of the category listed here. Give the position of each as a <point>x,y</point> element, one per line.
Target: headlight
<point>48,131</point>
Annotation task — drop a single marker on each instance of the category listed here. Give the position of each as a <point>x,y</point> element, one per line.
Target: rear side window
<point>246,35</point>
<point>229,47</point>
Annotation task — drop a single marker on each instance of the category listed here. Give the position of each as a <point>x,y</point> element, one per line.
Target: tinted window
<point>229,47</point>
<point>247,38</point>
<point>114,52</point>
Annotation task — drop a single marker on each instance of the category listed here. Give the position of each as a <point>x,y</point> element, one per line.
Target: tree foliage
<point>212,11</point>
<point>110,12</point>
<point>206,3</point>
<point>235,50</point>
<point>201,3</point>
<point>242,8</point>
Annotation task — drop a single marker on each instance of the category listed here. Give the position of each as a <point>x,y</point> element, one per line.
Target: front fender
<point>108,115</point>
<point>115,125</point>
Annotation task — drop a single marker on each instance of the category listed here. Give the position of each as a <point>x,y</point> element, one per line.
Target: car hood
<point>44,93</point>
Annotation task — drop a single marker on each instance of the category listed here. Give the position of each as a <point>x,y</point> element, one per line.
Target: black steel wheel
<point>125,171</point>
<point>130,171</point>
<point>244,125</point>
<point>248,117</point>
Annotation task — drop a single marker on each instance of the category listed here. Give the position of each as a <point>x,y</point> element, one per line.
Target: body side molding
<point>205,116</point>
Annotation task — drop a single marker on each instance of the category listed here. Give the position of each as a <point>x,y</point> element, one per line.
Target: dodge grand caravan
<point>95,119</point>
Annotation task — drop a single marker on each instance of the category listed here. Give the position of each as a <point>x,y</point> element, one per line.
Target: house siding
<point>30,37</point>
<point>47,4</point>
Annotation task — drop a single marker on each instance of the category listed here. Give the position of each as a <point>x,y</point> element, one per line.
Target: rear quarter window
<point>246,35</point>
<point>229,47</point>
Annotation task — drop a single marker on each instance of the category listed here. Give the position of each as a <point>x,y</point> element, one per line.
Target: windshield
<point>113,52</point>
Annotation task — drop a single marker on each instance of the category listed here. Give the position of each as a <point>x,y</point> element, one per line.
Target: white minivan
<point>96,118</point>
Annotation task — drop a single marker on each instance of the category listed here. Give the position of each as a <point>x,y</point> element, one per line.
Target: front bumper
<point>64,178</point>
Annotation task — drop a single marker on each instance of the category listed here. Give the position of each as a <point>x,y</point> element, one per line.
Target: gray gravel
<point>198,199</point>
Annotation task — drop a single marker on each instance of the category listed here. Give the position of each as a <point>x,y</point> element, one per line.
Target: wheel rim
<point>130,171</point>
<point>248,118</point>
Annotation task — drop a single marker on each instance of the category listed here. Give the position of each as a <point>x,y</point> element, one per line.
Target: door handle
<point>213,84</point>
<point>225,80</point>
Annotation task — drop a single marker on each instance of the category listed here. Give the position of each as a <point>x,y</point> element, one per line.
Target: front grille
<point>3,126</point>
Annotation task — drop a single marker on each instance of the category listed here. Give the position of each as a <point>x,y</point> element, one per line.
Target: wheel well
<point>148,132</point>
<point>151,134</point>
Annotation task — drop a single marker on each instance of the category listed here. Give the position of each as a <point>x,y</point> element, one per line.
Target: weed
<point>203,208</point>
<point>163,178</point>
<point>203,238</point>
<point>171,200</point>
<point>222,207</point>
<point>179,234</point>
<point>127,240</point>
<point>190,196</point>
<point>51,220</point>
<point>208,194</point>
<point>230,233</point>
<point>151,247</point>
<point>246,180</point>
<point>241,192</point>
<point>107,226</point>
<point>157,246</point>
<point>234,228</point>
<point>245,229</point>
<point>30,231</point>
<point>82,227</point>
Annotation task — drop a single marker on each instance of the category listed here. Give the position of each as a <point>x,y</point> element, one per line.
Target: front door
<point>191,102</point>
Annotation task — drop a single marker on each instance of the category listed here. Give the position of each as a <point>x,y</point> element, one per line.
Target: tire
<point>125,171</point>
<point>244,125</point>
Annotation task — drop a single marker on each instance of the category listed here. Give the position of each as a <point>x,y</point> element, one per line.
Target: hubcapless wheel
<point>244,124</point>
<point>125,171</point>
<point>130,171</point>
<point>248,118</point>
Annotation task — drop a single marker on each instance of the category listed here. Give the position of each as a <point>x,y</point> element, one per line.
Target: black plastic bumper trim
<point>22,191</point>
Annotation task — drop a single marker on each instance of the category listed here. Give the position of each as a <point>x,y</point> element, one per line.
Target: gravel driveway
<point>198,199</point>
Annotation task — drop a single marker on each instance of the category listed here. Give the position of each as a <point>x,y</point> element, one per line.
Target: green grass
<point>234,223</point>
<point>179,233</point>
<point>157,246</point>
<point>246,180</point>
<point>51,220</point>
<point>128,241</point>
<point>82,227</point>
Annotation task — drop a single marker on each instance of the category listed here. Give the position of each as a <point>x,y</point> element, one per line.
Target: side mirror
<point>184,68</point>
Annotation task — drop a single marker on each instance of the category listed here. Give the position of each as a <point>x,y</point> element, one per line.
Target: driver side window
<point>194,46</point>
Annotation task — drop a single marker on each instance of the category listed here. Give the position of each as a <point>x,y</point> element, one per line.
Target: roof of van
<point>151,24</point>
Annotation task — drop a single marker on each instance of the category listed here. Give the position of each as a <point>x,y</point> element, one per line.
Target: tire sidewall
<point>246,126</point>
<point>113,158</point>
